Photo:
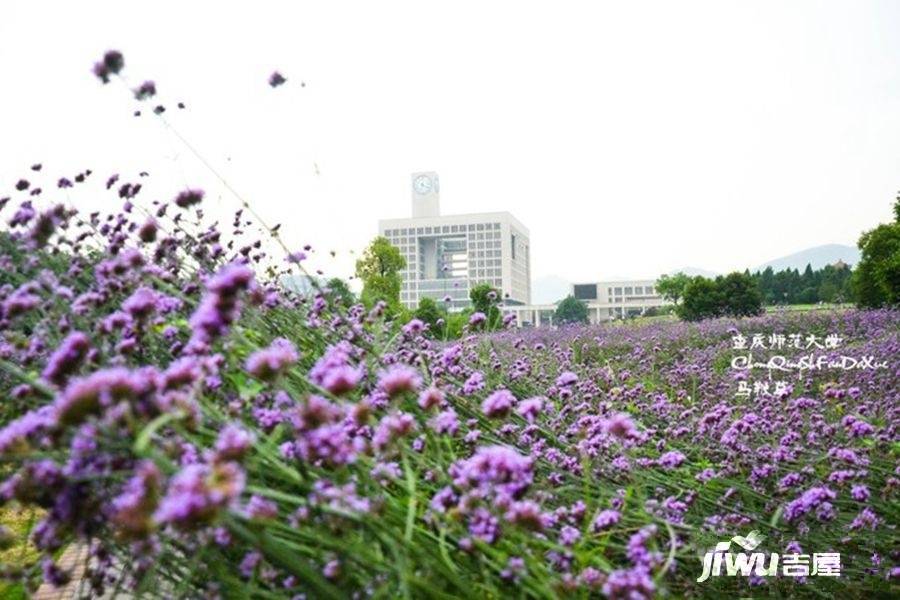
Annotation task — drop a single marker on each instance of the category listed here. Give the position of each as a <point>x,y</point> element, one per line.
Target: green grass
<point>805,307</point>
<point>21,553</point>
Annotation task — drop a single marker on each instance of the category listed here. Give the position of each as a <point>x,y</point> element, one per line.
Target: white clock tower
<point>426,197</point>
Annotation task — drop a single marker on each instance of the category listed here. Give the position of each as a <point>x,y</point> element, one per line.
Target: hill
<point>818,257</point>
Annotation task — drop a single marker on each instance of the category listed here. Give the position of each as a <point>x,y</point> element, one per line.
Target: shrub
<point>571,310</point>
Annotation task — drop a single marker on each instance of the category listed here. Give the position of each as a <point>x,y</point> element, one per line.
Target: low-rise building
<point>606,300</point>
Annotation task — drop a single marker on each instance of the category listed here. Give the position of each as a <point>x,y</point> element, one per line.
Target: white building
<point>448,255</point>
<point>605,300</point>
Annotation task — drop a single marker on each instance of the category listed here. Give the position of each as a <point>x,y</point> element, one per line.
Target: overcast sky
<point>632,138</point>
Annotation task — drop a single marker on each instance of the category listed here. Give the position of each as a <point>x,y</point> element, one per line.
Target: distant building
<point>605,300</point>
<point>448,255</point>
<point>300,284</point>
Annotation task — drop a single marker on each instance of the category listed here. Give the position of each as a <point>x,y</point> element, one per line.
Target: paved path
<point>74,560</point>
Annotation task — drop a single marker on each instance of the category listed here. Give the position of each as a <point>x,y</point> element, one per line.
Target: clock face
<point>422,184</point>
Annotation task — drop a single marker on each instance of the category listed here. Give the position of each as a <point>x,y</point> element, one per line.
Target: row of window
<point>409,244</point>
<point>630,291</point>
<point>588,291</point>
<point>442,229</point>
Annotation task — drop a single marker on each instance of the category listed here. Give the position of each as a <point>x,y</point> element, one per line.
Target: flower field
<point>207,433</point>
<point>204,432</point>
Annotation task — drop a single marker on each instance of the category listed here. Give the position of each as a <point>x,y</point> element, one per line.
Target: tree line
<point>875,283</point>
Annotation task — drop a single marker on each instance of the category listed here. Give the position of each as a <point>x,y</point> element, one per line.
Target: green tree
<point>571,310</point>
<point>735,295</point>
<point>485,299</point>
<point>671,287</point>
<point>700,300</point>
<point>876,279</point>
<point>454,324</point>
<point>379,269</point>
<point>738,295</point>
<point>340,291</point>
<point>430,313</point>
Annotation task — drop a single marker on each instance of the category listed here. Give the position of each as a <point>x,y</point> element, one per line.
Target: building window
<point>628,291</point>
<point>512,239</point>
<point>618,291</point>
<point>585,291</point>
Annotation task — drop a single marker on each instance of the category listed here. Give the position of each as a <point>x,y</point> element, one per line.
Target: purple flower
<point>415,326</point>
<point>269,363</point>
<point>147,232</point>
<point>333,371</point>
<point>484,525</point>
<point>391,428</point>
<point>530,408</point>
<point>67,358</point>
<point>809,500</point>
<point>430,397</point>
<point>621,426</point>
<point>398,379</point>
<point>444,499</point>
<point>219,307</point>
<point>499,467</point>
<point>515,568</point>
<point>112,64</point>
<point>474,383</point>
<point>606,519</point>
<point>197,492</point>
<point>498,404</point>
<point>132,510</point>
<point>566,379</point>
<point>145,90</point>
<point>476,319</point>
<point>860,493</point>
<point>249,563</point>
<point>188,198</point>
<point>527,513</point>
<point>332,569</point>
<point>260,508</point>
<point>568,535</point>
<point>445,422</point>
<point>629,584</point>
<point>14,436</point>
<point>865,519</point>
<point>19,302</point>
<point>100,390</point>
<point>233,442</point>
<point>141,304</point>
<point>276,79</point>
<point>671,460</point>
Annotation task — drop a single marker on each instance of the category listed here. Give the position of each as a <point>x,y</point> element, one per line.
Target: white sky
<point>632,138</point>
